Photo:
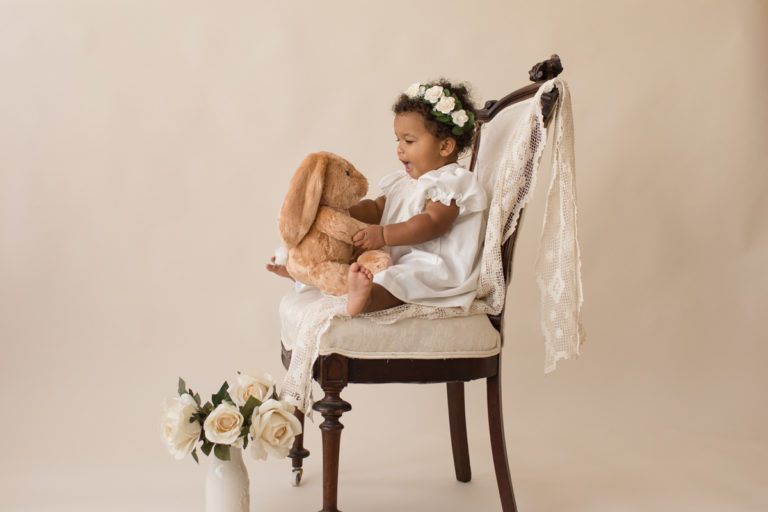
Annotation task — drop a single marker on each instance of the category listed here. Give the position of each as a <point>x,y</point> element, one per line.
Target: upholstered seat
<point>409,338</point>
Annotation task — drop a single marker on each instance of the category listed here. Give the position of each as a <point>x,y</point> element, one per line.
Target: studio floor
<point>608,464</point>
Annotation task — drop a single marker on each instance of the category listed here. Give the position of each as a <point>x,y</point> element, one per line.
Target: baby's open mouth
<point>408,166</point>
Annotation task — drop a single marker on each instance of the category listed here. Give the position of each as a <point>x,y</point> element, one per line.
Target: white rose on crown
<point>178,433</point>
<point>433,94</point>
<point>459,118</point>
<point>223,425</point>
<point>252,384</point>
<point>273,429</point>
<point>415,90</point>
<point>446,104</point>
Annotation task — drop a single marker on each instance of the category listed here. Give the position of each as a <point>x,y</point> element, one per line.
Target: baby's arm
<point>368,210</point>
<point>436,220</point>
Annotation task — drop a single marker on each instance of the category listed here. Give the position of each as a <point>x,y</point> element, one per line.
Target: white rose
<point>178,433</point>
<point>273,429</point>
<point>433,94</point>
<point>415,90</point>
<point>459,118</point>
<point>255,384</point>
<point>223,425</point>
<point>446,104</point>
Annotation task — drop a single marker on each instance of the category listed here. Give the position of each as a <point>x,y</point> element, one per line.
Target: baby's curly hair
<point>439,129</point>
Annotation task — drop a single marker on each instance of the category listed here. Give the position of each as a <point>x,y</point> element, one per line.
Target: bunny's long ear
<point>302,200</point>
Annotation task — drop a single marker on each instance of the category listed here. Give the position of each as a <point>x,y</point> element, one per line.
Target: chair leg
<point>298,453</point>
<point>333,378</point>
<point>498,446</point>
<point>458,423</point>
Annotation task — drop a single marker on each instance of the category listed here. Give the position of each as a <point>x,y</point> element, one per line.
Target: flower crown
<point>447,107</point>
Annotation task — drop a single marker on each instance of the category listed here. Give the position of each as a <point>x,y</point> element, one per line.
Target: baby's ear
<point>447,146</point>
<point>302,200</point>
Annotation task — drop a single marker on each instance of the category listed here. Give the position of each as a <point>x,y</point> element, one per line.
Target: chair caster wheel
<point>296,476</point>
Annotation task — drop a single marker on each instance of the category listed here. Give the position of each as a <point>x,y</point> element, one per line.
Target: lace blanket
<point>558,267</point>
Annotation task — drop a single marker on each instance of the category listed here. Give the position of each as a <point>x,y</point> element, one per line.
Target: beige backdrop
<point>144,151</point>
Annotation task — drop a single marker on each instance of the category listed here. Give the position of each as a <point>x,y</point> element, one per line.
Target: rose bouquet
<point>247,414</point>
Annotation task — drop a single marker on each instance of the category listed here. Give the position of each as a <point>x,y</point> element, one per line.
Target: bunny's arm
<point>337,224</point>
<point>436,220</point>
<point>369,210</point>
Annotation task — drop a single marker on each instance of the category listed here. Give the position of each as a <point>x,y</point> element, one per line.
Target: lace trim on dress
<point>454,183</point>
<point>445,197</point>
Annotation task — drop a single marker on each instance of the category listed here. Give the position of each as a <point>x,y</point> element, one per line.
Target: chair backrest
<point>499,123</point>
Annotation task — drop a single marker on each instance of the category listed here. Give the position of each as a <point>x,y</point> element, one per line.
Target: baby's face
<point>419,150</point>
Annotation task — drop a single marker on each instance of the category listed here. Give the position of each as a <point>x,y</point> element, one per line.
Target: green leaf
<point>247,409</point>
<point>222,451</point>
<point>244,433</point>
<point>182,386</point>
<point>221,395</point>
<point>197,399</point>
<point>194,455</point>
<point>457,131</point>
<point>207,447</point>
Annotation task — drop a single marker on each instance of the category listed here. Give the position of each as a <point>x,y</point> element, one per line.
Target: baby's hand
<point>369,238</point>
<point>278,269</point>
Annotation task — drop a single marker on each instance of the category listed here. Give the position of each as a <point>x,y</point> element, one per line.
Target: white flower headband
<point>447,107</point>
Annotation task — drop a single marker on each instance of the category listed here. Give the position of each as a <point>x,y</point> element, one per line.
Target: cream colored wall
<point>144,151</point>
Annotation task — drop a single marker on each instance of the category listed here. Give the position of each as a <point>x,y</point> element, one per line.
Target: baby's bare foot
<point>359,282</point>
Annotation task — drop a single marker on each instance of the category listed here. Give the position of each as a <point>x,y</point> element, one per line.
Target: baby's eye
<point>346,171</point>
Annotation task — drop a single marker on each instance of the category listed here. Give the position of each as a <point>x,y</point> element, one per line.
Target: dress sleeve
<point>457,184</point>
<point>387,181</point>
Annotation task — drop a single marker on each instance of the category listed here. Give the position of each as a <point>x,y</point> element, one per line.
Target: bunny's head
<point>322,179</point>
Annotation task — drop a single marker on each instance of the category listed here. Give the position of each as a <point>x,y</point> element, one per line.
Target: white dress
<point>443,271</point>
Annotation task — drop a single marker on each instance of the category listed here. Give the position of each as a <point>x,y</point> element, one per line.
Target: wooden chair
<point>335,371</point>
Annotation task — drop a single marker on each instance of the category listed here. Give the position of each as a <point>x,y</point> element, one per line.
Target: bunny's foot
<point>375,261</point>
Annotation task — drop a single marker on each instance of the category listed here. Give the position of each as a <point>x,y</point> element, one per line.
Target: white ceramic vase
<point>227,484</point>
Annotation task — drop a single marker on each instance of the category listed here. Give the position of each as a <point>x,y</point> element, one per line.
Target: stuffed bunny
<point>315,225</point>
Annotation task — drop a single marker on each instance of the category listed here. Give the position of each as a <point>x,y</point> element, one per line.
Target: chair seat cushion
<point>410,338</point>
